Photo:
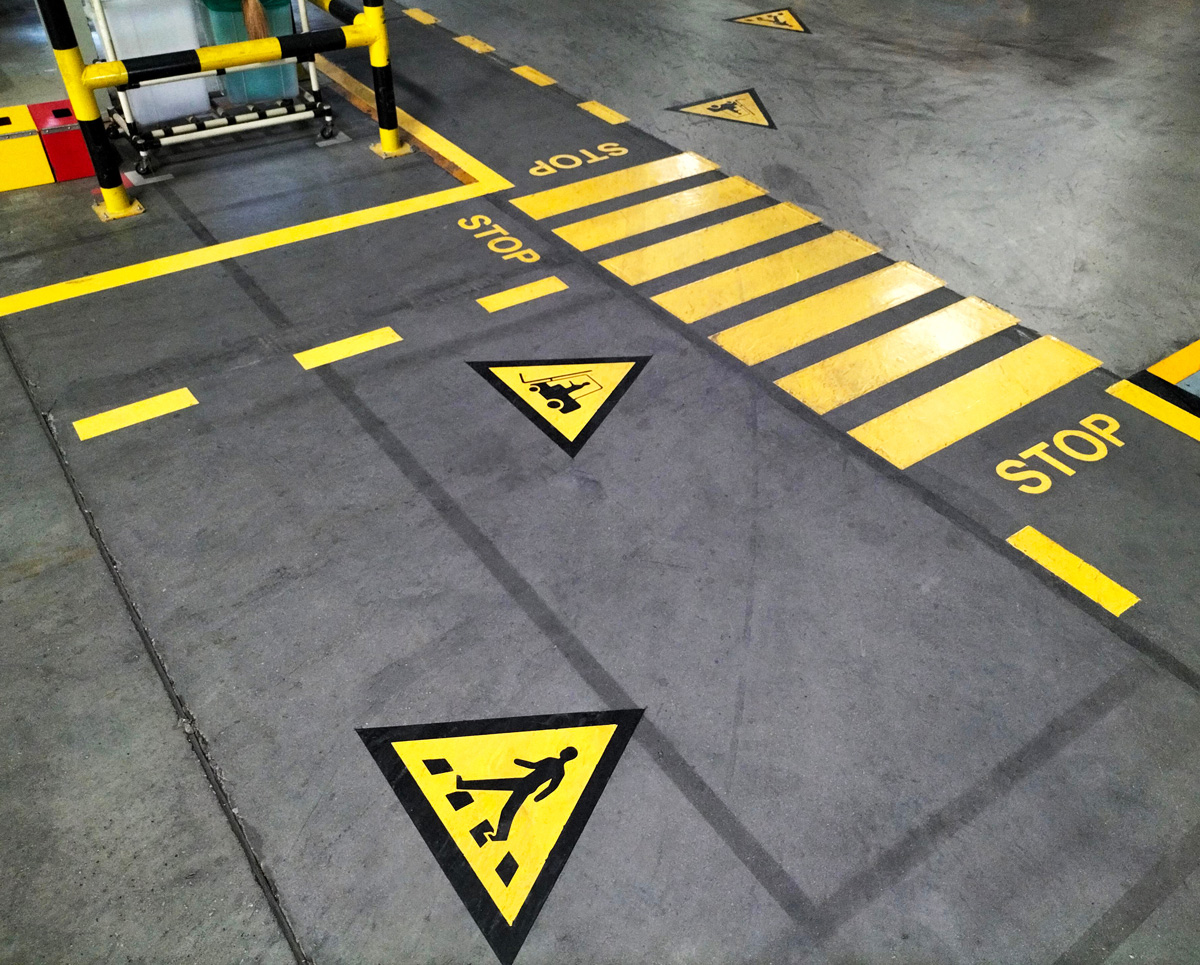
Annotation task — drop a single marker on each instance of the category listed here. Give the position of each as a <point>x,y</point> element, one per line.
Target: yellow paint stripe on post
<point>1175,368</point>
<point>420,16</point>
<point>829,311</point>
<point>534,76</point>
<point>617,184</point>
<point>713,294</point>
<point>1160,409</point>
<point>943,416</point>
<point>846,376</point>
<point>704,244</point>
<point>346,347</point>
<point>648,215</point>
<point>602,112</point>
<point>129,415</point>
<point>475,44</point>
<point>522,294</point>
<point>1072,570</point>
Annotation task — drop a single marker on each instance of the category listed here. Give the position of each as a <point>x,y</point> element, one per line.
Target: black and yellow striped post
<point>116,202</point>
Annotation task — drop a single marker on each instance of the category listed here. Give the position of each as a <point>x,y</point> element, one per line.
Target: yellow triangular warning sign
<point>566,398</point>
<point>744,107</point>
<point>502,802</point>
<point>784,19</point>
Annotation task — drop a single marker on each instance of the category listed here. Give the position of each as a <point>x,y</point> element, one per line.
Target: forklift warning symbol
<point>566,398</point>
<point>743,107</point>
<point>501,803</point>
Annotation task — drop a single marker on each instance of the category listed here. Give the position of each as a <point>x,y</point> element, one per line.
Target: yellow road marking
<point>346,347</point>
<point>937,419</point>
<point>475,44</point>
<point>763,276</point>
<point>533,75</point>
<point>522,293</point>
<point>1072,570</point>
<point>606,187</point>
<point>658,213</point>
<point>1175,368</point>
<point>818,315</point>
<point>1157,408</point>
<point>420,16</point>
<point>864,368</point>
<point>135,412</point>
<point>604,113</point>
<point>708,243</point>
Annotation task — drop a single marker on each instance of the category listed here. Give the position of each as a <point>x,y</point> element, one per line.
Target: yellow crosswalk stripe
<point>522,293</point>
<point>1157,408</point>
<point>132,414</point>
<point>902,351</point>
<point>640,218</point>
<point>346,347</point>
<point>818,315</point>
<point>937,419</point>
<point>617,184</point>
<point>704,244</point>
<point>1175,368</point>
<point>762,276</point>
<point>1072,570</point>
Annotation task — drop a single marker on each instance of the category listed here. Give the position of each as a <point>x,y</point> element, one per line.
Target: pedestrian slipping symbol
<point>783,19</point>
<point>501,803</point>
<point>741,107</point>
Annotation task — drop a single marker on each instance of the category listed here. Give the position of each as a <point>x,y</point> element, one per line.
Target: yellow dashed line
<point>533,75</point>
<point>604,113</point>
<point>346,347</point>
<point>135,412</point>
<point>1072,570</point>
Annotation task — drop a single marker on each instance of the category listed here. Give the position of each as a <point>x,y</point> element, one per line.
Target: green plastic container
<point>263,83</point>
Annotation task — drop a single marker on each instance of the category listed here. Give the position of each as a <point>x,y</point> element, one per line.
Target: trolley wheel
<point>144,166</point>
<point>328,131</point>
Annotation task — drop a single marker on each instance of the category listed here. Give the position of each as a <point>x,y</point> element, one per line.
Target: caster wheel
<point>327,132</point>
<point>144,167</point>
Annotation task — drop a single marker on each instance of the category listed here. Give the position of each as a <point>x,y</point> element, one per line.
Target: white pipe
<point>304,28</point>
<point>110,52</point>
<point>213,73</point>
<point>236,128</point>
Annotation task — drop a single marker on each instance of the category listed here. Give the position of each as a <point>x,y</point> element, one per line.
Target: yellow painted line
<point>135,412</point>
<point>617,184</point>
<point>1175,368</point>
<point>902,351</point>
<point>604,113</point>
<point>818,315</point>
<point>937,419</point>
<point>533,75</point>
<point>475,44</point>
<point>1157,408</point>
<point>1072,570</point>
<point>420,16</point>
<point>762,276</point>
<point>346,347</point>
<point>705,244</point>
<point>658,213</point>
<point>522,293</point>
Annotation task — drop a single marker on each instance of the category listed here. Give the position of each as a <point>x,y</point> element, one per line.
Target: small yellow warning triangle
<point>566,398</point>
<point>743,107</point>
<point>784,19</point>
<point>502,802</point>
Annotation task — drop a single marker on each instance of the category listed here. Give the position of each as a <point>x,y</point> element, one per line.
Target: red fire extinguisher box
<point>62,140</point>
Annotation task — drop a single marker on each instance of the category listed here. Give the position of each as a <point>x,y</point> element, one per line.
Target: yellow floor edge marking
<point>475,44</point>
<point>735,286</point>
<point>346,347</point>
<point>522,293</point>
<point>853,373</point>
<point>943,416</point>
<point>704,244</point>
<point>1175,368</point>
<point>420,16</point>
<point>829,311</point>
<point>1156,408</point>
<point>659,213</point>
<point>534,76</point>
<point>132,414</point>
<point>1072,570</point>
<point>617,184</point>
<point>604,113</point>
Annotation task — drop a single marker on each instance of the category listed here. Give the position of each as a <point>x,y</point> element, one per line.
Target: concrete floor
<point>873,731</point>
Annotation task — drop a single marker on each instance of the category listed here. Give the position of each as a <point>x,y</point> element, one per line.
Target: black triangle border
<point>570,447</point>
<point>505,940</point>
<point>738,20</point>
<point>716,97</point>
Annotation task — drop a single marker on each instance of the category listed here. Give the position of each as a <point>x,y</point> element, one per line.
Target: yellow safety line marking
<point>1071,569</point>
<point>346,347</point>
<point>943,416</point>
<point>522,293</point>
<point>1157,408</point>
<point>604,113</point>
<point>132,414</point>
<point>864,368</point>
<point>475,44</point>
<point>420,16</point>
<point>762,276</point>
<point>705,244</point>
<point>658,213</point>
<point>1175,368</point>
<point>617,184</point>
<point>534,75</point>
<point>818,315</point>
